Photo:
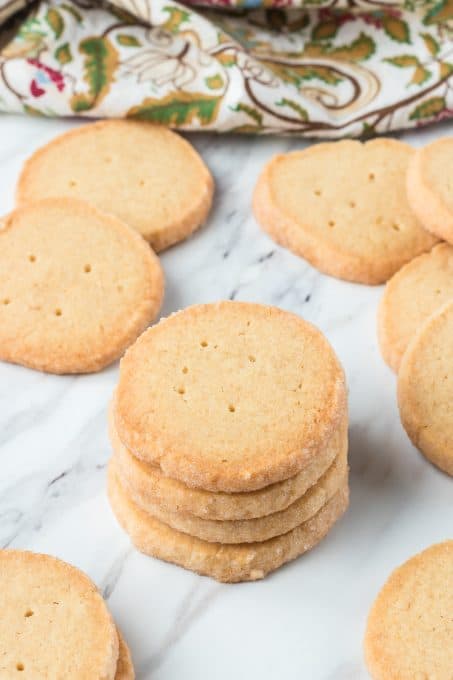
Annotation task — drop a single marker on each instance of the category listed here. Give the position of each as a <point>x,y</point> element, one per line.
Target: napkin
<point>315,68</point>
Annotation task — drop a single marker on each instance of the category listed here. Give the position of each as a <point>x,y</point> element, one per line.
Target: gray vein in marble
<point>186,616</point>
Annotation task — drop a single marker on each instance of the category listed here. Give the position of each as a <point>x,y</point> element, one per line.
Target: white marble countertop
<point>306,621</point>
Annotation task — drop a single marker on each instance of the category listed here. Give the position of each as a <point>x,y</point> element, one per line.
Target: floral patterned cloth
<point>310,67</point>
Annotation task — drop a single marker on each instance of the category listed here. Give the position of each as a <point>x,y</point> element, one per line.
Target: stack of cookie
<point>55,624</point>
<point>229,431</point>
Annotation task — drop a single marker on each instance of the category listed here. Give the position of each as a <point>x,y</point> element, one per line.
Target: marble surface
<point>306,620</point>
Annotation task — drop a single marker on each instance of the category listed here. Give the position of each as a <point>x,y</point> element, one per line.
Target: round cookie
<point>174,496</point>
<point>76,286</point>
<point>410,297</point>
<point>425,389</point>
<point>409,632</point>
<point>430,187</point>
<point>230,396</point>
<point>249,530</point>
<point>54,623</point>
<point>144,174</point>
<point>125,668</point>
<point>343,207</point>
<point>227,563</point>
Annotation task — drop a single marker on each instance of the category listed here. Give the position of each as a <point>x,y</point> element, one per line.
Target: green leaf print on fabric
<point>250,111</point>
<point>63,54</point>
<point>101,59</point>
<point>442,11</point>
<point>127,40</point>
<point>55,21</point>
<point>177,108</point>
<point>215,82</point>
<point>360,49</point>
<point>176,18</point>
<point>325,30</point>
<point>429,108</point>
<point>396,29</point>
<point>431,44</point>
<point>420,74</point>
<point>295,107</point>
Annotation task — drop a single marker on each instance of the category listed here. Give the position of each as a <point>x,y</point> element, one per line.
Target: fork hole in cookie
<point>181,390</point>
<point>232,408</point>
<point>352,204</point>
<point>252,359</point>
<point>29,613</point>
<point>331,223</point>
<point>371,176</point>
<point>6,301</point>
<point>58,312</point>
<point>87,268</point>
<point>396,227</point>
<point>318,192</point>
<point>438,291</point>
<point>203,343</point>
<point>119,288</point>
<point>142,183</point>
<point>72,183</point>
<point>20,667</point>
<point>185,369</point>
<point>32,258</point>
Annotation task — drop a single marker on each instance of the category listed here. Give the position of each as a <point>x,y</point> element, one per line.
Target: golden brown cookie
<point>249,530</point>
<point>230,396</point>
<point>54,623</point>
<point>410,297</point>
<point>343,207</point>
<point>144,174</point>
<point>409,634</point>
<point>125,668</point>
<point>227,563</point>
<point>430,187</point>
<point>425,389</point>
<point>174,496</point>
<point>76,286</point>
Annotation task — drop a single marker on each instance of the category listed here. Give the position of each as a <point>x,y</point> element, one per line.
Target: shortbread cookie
<point>250,530</point>
<point>174,496</point>
<point>230,396</point>
<point>410,297</point>
<point>76,286</point>
<point>146,175</point>
<point>343,207</point>
<point>425,389</point>
<point>125,668</point>
<point>409,634</point>
<point>430,187</point>
<point>228,563</point>
<point>53,623</point>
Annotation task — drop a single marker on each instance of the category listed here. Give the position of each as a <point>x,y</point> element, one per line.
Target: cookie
<point>410,297</point>
<point>343,207</point>
<point>249,530</point>
<point>144,174</point>
<point>76,286</point>
<point>54,623</point>
<point>125,668</point>
<point>409,634</point>
<point>430,187</point>
<point>230,397</point>
<point>227,563</point>
<point>425,389</point>
<point>150,483</point>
